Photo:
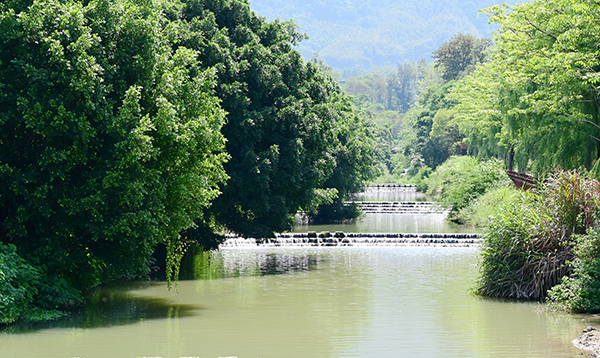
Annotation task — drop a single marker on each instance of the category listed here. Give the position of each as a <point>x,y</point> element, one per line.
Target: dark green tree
<point>110,137</point>
<point>286,119</point>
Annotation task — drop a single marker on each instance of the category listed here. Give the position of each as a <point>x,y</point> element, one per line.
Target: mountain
<point>352,34</point>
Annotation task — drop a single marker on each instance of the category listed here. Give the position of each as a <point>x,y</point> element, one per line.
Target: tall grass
<point>477,213</point>
<point>528,243</point>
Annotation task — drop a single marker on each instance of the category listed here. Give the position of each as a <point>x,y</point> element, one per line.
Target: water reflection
<point>210,265</point>
<point>402,223</point>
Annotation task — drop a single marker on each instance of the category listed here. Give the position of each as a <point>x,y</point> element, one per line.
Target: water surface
<point>308,302</point>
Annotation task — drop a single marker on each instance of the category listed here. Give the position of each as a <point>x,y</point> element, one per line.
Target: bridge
<point>522,181</point>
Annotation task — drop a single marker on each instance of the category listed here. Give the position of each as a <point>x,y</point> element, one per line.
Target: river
<point>306,302</point>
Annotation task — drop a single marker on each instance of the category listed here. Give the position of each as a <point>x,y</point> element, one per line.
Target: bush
<point>26,293</point>
<point>18,285</point>
<point>528,243</point>
<point>508,253</point>
<point>479,211</point>
<point>462,179</point>
<point>581,291</point>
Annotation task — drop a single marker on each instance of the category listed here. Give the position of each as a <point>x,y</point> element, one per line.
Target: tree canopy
<point>287,122</point>
<point>126,124</point>
<point>458,56</point>
<point>109,136</point>
<point>538,96</point>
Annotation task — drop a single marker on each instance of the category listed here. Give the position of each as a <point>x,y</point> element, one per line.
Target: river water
<point>306,302</point>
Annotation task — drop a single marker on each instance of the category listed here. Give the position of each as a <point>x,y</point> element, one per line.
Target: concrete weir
<point>400,207</point>
<point>339,239</point>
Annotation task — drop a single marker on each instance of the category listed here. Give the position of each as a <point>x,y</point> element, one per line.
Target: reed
<point>529,243</point>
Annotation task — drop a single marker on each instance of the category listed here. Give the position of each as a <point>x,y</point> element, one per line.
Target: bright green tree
<point>539,93</point>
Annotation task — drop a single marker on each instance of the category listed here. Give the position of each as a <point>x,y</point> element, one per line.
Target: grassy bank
<point>545,243</point>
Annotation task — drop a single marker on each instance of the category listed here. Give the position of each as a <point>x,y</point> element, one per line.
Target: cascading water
<point>389,209</point>
<point>357,240</point>
<point>400,207</point>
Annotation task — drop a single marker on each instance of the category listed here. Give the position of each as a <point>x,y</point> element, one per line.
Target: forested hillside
<point>350,34</point>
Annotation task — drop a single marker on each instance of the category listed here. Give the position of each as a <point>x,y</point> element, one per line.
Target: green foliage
<point>21,286</point>
<point>478,212</point>
<point>457,57</point>
<point>428,130</point>
<point>109,137</point>
<point>537,97</point>
<point>354,156</point>
<point>580,292</point>
<point>462,179</point>
<point>113,119</point>
<point>508,251</point>
<point>529,242</point>
<point>289,127</point>
<point>18,284</point>
<point>396,89</point>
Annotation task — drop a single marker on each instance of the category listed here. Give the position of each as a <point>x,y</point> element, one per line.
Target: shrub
<point>581,291</point>
<point>462,179</point>
<point>18,285</point>
<point>508,250</point>
<point>26,293</point>
<point>479,211</point>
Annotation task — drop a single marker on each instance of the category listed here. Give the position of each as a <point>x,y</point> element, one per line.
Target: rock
<point>589,341</point>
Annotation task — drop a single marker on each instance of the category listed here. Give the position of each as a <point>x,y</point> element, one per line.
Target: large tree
<point>109,136</point>
<point>457,57</point>
<point>286,119</point>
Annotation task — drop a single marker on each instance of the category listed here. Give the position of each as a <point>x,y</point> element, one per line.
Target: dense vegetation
<point>537,99</point>
<point>110,140</point>
<point>121,121</point>
<point>461,180</point>
<point>535,103</point>
<point>530,242</point>
<point>413,110</point>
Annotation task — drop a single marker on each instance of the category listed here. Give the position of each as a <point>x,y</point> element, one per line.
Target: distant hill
<point>364,33</point>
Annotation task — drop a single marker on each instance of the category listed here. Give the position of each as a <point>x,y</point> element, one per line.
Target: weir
<point>410,187</point>
<point>341,239</point>
<point>400,207</point>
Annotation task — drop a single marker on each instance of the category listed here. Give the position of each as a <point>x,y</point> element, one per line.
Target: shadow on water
<point>116,305</point>
<point>112,306</point>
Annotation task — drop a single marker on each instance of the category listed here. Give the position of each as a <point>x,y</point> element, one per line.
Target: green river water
<point>306,303</point>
